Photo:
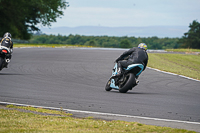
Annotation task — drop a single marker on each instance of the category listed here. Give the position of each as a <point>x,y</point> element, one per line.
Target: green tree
<point>20,17</point>
<point>92,43</point>
<point>125,44</point>
<point>191,39</point>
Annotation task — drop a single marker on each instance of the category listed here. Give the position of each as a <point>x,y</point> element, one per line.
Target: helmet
<point>7,34</point>
<point>143,46</point>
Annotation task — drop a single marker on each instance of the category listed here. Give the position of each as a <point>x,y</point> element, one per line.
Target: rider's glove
<point>117,60</point>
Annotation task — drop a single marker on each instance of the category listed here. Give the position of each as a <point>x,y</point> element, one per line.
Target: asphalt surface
<point>75,79</point>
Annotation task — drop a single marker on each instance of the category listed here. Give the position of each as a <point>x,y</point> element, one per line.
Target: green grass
<point>17,121</point>
<point>182,64</point>
<point>183,50</point>
<point>48,45</point>
<point>41,110</point>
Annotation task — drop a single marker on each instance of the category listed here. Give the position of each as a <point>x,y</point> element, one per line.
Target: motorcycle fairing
<point>114,72</point>
<point>135,65</point>
<point>112,84</point>
<point>4,48</point>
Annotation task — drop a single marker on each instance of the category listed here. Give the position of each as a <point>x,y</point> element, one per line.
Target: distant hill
<point>159,31</point>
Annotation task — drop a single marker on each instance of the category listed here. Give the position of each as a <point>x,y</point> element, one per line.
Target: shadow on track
<point>144,93</point>
<point>12,74</point>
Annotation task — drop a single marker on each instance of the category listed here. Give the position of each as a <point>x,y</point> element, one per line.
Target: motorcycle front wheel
<point>127,83</point>
<point>108,88</point>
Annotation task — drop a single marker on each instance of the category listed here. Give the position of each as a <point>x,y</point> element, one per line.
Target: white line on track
<point>99,113</point>
<point>174,74</point>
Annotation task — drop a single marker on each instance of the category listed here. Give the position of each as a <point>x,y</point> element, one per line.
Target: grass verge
<point>182,64</point>
<point>183,50</point>
<point>12,120</point>
<point>49,45</point>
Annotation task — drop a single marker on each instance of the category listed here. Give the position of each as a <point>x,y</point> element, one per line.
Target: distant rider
<point>6,41</point>
<point>135,55</point>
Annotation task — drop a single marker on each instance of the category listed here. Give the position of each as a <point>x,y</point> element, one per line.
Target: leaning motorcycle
<point>127,80</point>
<point>4,52</point>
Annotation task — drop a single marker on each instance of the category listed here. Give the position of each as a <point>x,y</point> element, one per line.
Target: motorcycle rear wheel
<point>128,83</point>
<point>1,63</point>
<point>108,88</point>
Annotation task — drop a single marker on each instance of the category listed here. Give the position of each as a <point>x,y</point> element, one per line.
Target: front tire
<point>128,83</point>
<point>108,88</point>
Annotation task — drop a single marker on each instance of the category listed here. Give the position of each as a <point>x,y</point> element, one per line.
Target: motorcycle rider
<point>135,55</point>
<point>6,41</point>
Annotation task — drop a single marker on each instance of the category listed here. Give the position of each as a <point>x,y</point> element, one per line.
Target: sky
<point>126,13</point>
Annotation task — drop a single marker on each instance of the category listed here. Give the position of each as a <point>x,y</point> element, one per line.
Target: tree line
<point>106,41</point>
<point>190,39</point>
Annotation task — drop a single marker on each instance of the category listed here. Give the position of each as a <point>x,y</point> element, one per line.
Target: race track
<point>75,79</point>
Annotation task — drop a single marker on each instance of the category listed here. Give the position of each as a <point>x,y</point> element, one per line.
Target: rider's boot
<point>119,70</point>
<point>137,81</point>
<point>119,73</point>
<point>7,61</point>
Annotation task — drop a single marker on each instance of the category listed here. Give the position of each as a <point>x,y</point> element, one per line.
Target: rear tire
<point>1,63</point>
<point>108,88</point>
<point>128,83</point>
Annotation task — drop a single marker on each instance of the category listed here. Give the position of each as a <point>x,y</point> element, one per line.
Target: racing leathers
<point>134,55</point>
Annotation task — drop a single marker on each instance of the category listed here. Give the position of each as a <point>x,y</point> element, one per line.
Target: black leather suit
<point>133,56</point>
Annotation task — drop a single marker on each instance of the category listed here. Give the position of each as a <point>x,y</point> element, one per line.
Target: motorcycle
<point>127,80</point>
<point>4,52</point>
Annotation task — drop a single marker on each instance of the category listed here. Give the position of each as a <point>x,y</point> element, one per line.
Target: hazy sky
<point>122,13</point>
